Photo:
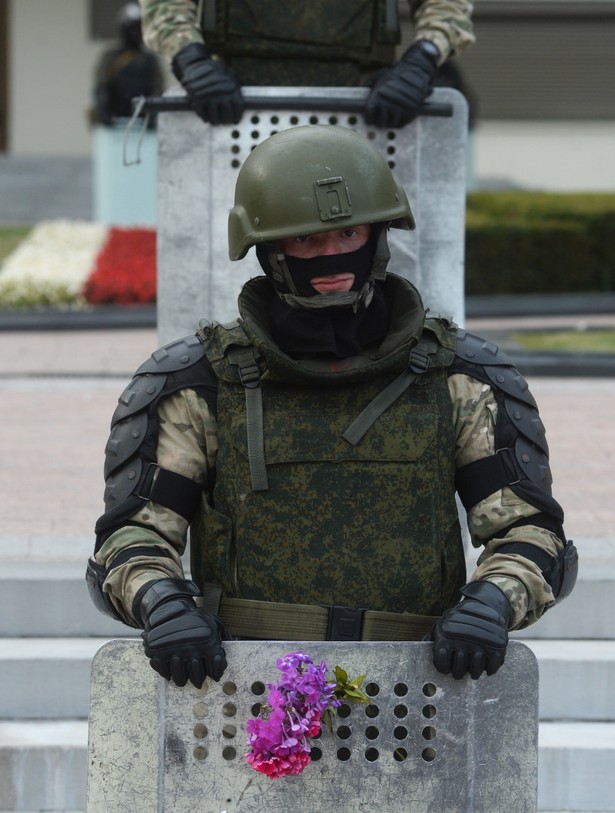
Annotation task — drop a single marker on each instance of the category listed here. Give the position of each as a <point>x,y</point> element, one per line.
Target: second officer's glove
<point>472,636</point>
<point>182,641</point>
<point>213,90</point>
<point>399,91</point>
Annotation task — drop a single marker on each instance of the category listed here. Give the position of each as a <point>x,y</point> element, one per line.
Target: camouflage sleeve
<point>447,23</point>
<point>169,25</point>
<point>475,414</point>
<point>187,444</point>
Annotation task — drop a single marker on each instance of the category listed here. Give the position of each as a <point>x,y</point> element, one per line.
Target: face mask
<point>301,270</point>
<point>357,262</point>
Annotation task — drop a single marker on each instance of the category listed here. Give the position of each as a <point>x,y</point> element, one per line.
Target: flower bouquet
<point>298,704</point>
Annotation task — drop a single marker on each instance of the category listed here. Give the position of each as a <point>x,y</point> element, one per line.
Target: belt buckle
<point>344,623</point>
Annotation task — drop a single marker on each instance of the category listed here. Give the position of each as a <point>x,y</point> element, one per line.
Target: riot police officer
<point>125,71</point>
<point>315,447</point>
<point>216,46</point>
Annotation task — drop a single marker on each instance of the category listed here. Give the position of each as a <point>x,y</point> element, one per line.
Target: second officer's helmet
<point>129,14</point>
<point>312,179</point>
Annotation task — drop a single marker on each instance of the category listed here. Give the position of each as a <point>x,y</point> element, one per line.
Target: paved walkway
<point>58,391</point>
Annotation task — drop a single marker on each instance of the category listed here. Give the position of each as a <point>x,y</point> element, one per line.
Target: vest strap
<point>276,621</point>
<point>244,359</point>
<point>377,406</point>
<point>418,363</point>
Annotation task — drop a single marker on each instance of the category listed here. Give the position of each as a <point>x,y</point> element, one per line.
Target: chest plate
<point>372,524</point>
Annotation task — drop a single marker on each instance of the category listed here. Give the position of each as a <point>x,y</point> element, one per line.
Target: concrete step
<point>43,767</point>
<point>576,679</point>
<point>576,769</point>
<point>49,678</point>
<point>50,597</point>
<point>40,597</point>
<point>46,678</point>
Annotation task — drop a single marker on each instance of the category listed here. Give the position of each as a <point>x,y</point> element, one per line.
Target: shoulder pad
<point>149,380</point>
<point>124,440</point>
<point>527,421</point>
<point>519,432</point>
<point>142,390</point>
<point>477,350</point>
<point>130,452</point>
<point>492,366</point>
<point>174,356</point>
<point>122,483</point>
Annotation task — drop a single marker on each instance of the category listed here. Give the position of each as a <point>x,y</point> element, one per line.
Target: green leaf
<point>327,718</point>
<point>349,690</point>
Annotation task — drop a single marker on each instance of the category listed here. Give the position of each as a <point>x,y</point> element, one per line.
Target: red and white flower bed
<point>73,264</point>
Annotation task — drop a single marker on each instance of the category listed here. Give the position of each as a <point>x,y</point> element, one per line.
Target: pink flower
<point>275,766</point>
<point>314,729</point>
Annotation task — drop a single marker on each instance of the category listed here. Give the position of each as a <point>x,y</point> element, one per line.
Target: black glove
<point>472,636</point>
<point>213,90</point>
<point>399,91</point>
<point>182,641</point>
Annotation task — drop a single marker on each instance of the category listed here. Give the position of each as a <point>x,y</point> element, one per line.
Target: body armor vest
<point>371,523</point>
<point>316,43</point>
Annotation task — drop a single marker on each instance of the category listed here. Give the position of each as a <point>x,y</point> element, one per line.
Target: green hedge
<point>533,242</point>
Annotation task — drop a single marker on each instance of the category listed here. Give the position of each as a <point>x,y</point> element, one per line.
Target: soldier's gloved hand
<point>182,641</point>
<point>399,91</point>
<point>472,636</point>
<point>213,90</point>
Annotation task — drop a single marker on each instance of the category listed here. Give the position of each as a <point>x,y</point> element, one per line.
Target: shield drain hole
<point>263,129</point>
<point>229,728</point>
<point>429,732</point>
<point>343,732</point>
<point>391,148</point>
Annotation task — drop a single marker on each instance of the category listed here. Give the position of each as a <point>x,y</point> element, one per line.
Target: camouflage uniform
<point>170,25</point>
<point>191,440</point>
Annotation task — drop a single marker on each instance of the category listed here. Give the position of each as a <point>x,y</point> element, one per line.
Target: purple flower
<point>279,736</point>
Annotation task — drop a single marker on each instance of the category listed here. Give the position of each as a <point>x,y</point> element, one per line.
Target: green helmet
<point>312,179</point>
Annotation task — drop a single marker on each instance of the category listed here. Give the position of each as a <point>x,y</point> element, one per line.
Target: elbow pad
<point>95,575</point>
<point>560,572</point>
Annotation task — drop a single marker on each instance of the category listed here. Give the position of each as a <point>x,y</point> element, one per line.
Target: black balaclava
<point>303,323</point>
